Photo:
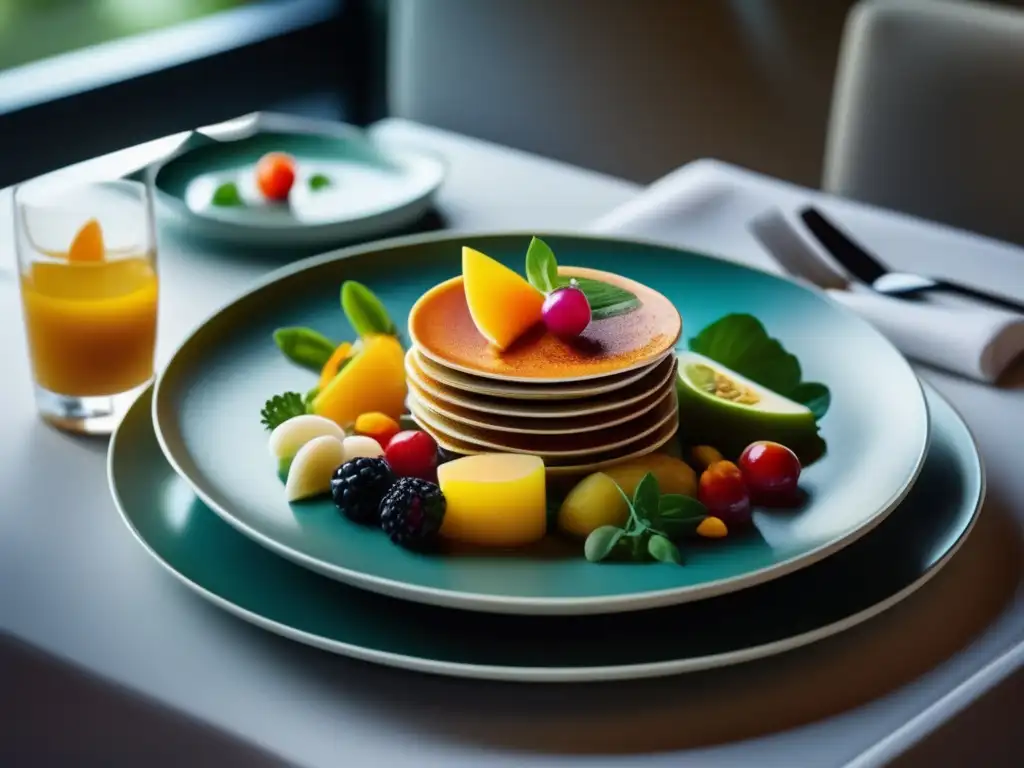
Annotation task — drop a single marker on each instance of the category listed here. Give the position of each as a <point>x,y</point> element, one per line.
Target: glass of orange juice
<point>87,264</point>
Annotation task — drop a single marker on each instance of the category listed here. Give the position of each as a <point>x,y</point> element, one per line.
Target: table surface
<point>75,587</point>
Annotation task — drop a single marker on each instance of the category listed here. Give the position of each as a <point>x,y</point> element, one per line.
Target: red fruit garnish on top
<point>723,491</point>
<point>772,473</point>
<point>413,453</point>
<point>275,175</point>
<point>566,312</point>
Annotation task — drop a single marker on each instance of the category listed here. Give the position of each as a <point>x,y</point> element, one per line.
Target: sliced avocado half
<point>721,408</point>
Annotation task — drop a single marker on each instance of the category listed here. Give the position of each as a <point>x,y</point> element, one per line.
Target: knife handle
<point>974,293</point>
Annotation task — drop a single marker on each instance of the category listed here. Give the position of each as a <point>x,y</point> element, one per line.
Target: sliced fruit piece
<point>594,501</point>
<point>340,354</point>
<point>379,426</point>
<point>502,304</point>
<point>289,436</point>
<point>494,499</point>
<point>712,528</point>
<point>362,447</point>
<point>673,475</point>
<point>719,407</point>
<point>374,380</point>
<point>313,466</point>
<point>88,243</point>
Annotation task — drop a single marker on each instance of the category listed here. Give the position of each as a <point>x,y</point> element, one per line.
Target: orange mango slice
<point>374,380</point>
<point>88,243</point>
<point>502,304</point>
<point>330,369</point>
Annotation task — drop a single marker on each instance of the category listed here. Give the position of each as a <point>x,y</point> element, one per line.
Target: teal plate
<point>372,189</point>
<point>247,580</point>
<point>207,404</point>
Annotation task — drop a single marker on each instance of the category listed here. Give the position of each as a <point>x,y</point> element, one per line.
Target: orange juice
<point>91,324</point>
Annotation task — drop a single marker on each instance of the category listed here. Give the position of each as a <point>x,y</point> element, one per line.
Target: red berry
<point>412,453</point>
<point>772,472</point>
<point>724,493</point>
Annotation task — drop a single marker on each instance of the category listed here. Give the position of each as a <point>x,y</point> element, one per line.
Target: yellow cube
<point>494,499</point>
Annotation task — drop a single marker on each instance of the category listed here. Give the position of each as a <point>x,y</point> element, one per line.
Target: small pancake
<point>442,328</point>
<point>541,409</point>
<point>554,448</point>
<point>518,391</point>
<point>586,422</point>
<point>595,463</point>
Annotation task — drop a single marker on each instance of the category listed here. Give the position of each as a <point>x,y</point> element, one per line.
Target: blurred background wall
<point>630,87</point>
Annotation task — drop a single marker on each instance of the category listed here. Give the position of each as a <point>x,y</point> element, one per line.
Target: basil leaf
<point>601,542</point>
<point>227,194</point>
<point>663,550</point>
<point>676,528</point>
<point>645,497</point>
<point>319,181</point>
<point>305,347</point>
<point>541,266</point>
<point>740,342</point>
<point>606,300</point>
<point>814,395</point>
<point>365,312</point>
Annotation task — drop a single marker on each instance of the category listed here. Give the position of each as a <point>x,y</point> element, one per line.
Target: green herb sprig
<point>365,312</point>
<point>319,181</point>
<point>305,347</point>
<point>605,300</point>
<point>655,522</point>
<point>280,408</point>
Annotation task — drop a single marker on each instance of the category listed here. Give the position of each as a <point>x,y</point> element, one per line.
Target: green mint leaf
<point>645,498</point>
<point>741,343</point>
<point>601,542</point>
<point>663,550</point>
<point>319,181</point>
<point>541,266</point>
<point>678,506</point>
<point>278,409</point>
<point>606,300</point>
<point>305,347</point>
<point>227,194</point>
<point>814,395</point>
<point>365,312</point>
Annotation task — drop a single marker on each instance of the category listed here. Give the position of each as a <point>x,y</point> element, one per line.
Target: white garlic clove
<point>312,468</point>
<point>289,436</point>
<point>361,446</point>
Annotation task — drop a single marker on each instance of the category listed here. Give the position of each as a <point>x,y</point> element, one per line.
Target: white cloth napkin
<point>960,335</point>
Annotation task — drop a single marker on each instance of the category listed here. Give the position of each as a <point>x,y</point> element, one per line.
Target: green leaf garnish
<point>663,550</point>
<point>814,395</point>
<point>541,266</point>
<point>305,347</point>
<point>648,531</point>
<point>227,194</point>
<point>365,312</point>
<point>606,300</point>
<point>280,408</point>
<point>319,181</point>
<point>740,342</point>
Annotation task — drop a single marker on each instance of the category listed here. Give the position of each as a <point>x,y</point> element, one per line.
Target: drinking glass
<point>87,267</point>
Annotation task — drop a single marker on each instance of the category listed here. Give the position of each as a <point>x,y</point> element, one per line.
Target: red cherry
<point>772,473</point>
<point>413,453</point>
<point>724,493</point>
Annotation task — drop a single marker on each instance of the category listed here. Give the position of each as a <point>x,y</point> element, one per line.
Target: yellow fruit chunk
<point>373,381</point>
<point>502,304</point>
<point>712,528</point>
<point>342,353</point>
<point>494,499</point>
<point>704,456</point>
<point>88,243</point>
<point>593,502</point>
<point>673,475</point>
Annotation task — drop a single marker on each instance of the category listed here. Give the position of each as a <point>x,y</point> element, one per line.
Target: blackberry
<point>412,512</point>
<point>357,487</point>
